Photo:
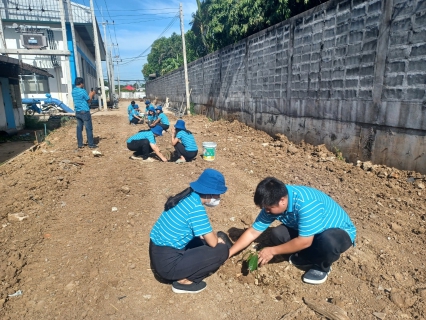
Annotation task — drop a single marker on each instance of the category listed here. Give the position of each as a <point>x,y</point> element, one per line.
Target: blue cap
<point>180,124</point>
<point>151,109</point>
<point>157,130</point>
<point>135,106</point>
<point>210,181</point>
<point>159,108</point>
<point>147,102</point>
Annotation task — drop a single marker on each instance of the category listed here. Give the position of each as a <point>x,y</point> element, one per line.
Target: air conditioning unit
<point>33,41</point>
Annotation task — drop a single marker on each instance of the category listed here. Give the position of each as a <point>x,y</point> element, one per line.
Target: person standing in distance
<point>82,112</point>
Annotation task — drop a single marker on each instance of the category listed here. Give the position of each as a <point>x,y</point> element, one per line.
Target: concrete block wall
<point>348,73</point>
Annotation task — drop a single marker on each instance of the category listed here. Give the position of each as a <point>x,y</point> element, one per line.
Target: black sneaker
<point>299,262</point>
<point>93,146</point>
<point>188,288</point>
<point>314,276</point>
<point>225,239</point>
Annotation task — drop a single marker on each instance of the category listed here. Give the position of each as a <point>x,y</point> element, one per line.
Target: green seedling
<point>252,260</point>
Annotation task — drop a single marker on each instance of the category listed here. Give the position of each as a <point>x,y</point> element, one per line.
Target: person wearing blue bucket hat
<point>152,116</point>
<point>143,143</point>
<point>135,117</point>
<point>161,120</point>
<point>183,142</point>
<point>183,247</point>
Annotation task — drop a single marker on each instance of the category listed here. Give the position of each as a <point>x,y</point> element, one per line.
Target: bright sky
<point>137,25</point>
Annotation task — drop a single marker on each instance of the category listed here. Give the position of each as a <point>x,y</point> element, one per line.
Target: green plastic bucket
<point>209,151</point>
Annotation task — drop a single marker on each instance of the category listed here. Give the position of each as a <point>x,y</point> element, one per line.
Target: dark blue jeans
<point>324,250</point>
<point>84,118</point>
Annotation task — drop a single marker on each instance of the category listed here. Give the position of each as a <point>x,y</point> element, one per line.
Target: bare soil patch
<point>74,257</point>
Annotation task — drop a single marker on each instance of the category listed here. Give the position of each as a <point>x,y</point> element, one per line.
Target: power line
<point>164,31</point>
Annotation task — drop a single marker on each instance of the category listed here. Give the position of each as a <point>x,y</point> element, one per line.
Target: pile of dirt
<point>75,230</point>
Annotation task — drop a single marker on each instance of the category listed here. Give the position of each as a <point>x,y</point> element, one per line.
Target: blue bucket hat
<point>180,124</point>
<point>135,106</point>
<point>210,181</point>
<point>157,130</point>
<point>151,109</point>
<point>159,108</point>
<point>147,102</point>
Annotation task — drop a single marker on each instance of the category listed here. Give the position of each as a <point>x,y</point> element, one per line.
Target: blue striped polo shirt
<point>130,109</point>
<point>80,97</point>
<point>134,112</point>
<point>179,225</point>
<point>143,135</point>
<point>309,211</point>
<point>163,119</point>
<point>152,117</point>
<point>187,140</point>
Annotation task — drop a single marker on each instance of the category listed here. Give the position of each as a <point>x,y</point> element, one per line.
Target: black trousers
<point>140,147</point>
<point>134,120</point>
<point>180,150</point>
<point>324,250</point>
<point>195,262</point>
<point>164,126</point>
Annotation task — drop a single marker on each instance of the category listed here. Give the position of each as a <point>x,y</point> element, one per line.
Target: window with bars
<point>34,84</point>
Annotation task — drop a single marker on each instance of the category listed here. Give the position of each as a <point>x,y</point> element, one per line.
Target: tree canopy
<point>218,23</point>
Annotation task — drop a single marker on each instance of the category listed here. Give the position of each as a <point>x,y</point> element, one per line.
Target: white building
<point>27,23</point>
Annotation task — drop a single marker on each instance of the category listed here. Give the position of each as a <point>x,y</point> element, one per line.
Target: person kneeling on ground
<point>135,117</point>
<point>161,120</point>
<point>131,107</point>
<point>151,115</point>
<point>314,229</point>
<point>183,247</point>
<point>143,143</point>
<point>184,142</point>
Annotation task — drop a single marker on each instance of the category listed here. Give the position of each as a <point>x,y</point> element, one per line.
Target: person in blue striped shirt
<point>184,142</point>
<point>151,115</point>
<point>135,116</point>
<point>131,107</point>
<point>315,230</point>
<point>82,112</point>
<point>183,247</point>
<point>161,120</point>
<point>143,143</point>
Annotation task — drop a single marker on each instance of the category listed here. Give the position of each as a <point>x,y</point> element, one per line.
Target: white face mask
<point>213,202</point>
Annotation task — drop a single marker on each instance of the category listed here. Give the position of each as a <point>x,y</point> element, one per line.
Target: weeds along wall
<point>350,74</point>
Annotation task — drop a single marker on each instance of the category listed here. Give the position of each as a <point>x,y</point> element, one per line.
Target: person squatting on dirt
<point>183,247</point>
<point>161,120</point>
<point>184,142</point>
<point>135,117</point>
<point>131,107</point>
<point>314,229</point>
<point>143,143</point>
<point>151,115</point>
<point>82,112</point>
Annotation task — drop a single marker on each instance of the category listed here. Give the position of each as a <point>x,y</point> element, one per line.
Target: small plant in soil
<point>252,260</point>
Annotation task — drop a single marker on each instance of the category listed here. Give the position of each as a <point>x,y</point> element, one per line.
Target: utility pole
<point>74,42</point>
<point>107,60</point>
<point>3,40</point>
<point>184,59</point>
<point>111,68</point>
<point>99,72</point>
<point>67,68</point>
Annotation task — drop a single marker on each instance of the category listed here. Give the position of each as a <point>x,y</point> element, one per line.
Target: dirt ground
<point>80,250</point>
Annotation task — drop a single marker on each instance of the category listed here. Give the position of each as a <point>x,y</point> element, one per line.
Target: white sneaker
<point>149,160</point>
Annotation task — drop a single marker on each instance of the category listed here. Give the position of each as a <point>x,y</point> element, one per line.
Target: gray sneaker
<point>188,288</point>
<point>299,262</point>
<point>314,276</point>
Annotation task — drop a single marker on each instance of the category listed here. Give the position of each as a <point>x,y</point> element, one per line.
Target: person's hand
<point>265,255</point>
<point>220,240</point>
<point>92,94</point>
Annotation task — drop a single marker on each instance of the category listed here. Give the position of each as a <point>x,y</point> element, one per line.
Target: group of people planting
<point>184,249</point>
<point>144,142</point>
<point>314,230</point>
